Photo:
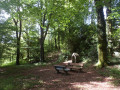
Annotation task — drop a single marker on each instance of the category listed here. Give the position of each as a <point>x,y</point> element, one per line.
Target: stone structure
<point>75,58</point>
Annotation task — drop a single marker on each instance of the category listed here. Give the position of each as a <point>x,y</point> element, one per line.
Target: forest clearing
<point>59,44</point>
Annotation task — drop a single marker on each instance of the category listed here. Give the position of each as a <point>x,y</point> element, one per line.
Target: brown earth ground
<point>89,79</point>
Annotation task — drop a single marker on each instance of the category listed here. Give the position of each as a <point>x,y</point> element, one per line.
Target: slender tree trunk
<point>18,52</point>
<point>102,41</point>
<point>58,41</point>
<point>18,42</point>
<point>28,54</point>
<point>18,36</point>
<point>42,39</point>
<point>28,43</point>
<point>55,43</point>
<point>42,46</point>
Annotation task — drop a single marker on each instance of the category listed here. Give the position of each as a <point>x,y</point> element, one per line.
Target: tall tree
<point>46,13</point>
<point>18,34</point>
<point>42,5</point>
<point>101,28</point>
<point>15,9</point>
<point>18,24</point>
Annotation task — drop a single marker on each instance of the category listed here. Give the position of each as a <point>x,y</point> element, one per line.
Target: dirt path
<point>87,80</point>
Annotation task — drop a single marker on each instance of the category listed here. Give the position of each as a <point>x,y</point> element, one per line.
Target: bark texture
<point>102,41</point>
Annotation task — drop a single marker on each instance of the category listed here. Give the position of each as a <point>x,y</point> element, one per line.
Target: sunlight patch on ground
<point>109,78</point>
<point>94,86</point>
<point>101,84</point>
<point>89,72</point>
<point>44,70</point>
<point>56,80</point>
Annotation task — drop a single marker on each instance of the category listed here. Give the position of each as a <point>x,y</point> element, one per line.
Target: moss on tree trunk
<point>102,41</point>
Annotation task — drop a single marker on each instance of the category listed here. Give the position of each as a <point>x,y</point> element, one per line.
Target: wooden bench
<point>59,68</point>
<point>75,66</point>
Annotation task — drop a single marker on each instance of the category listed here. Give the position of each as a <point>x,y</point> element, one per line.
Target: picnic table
<point>74,66</point>
<point>59,68</point>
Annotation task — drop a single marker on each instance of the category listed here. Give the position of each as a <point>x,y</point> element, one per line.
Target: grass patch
<point>19,83</point>
<point>41,64</point>
<point>14,78</point>
<point>12,63</point>
<point>113,73</point>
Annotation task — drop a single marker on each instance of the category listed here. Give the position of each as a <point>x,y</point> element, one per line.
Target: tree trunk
<point>42,46</point>
<point>58,41</point>
<point>28,49</point>
<point>18,42</point>
<point>18,34</point>
<point>102,41</point>
<point>55,43</point>
<point>18,52</point>
<point>28,54</point>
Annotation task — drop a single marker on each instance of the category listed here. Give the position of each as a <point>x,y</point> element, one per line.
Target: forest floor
<point>89,79</point>
<point>46,78</point>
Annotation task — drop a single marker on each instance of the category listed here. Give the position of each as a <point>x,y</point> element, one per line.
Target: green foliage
<point>79,40</point>
<point>61,58</point>
<point>35,14</point>
<point>8,63</point>
<point>6,41</point>
<point>67,24</point>
<point>12,63</point>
